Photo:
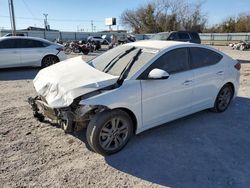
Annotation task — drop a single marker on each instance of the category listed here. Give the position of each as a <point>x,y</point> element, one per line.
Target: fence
<point>225,36</point>
<point>64,36</point>
<point>211,36</point>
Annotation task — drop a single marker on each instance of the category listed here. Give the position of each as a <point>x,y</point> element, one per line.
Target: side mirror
<point>158,74</point>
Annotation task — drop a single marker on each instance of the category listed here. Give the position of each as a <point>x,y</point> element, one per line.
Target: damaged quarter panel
<point>127,96</point>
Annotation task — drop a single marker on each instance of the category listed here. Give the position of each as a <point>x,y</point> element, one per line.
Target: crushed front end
<point>70,119</point>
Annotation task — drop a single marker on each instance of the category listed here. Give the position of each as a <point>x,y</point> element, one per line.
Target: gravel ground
<point>201,150</point>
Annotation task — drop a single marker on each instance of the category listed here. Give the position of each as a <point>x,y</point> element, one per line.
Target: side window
<point>9,43</point>
<point>184,36</point>
<point>45,44</point>
<point>27,43</point>
<point>173,61</point>
<point>39,44</point>
<point>24,43</point>
<point>201,57</point>
<point>174,36</point>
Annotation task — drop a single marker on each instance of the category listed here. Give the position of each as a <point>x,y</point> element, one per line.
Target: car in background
<point>134,87</point>
<point>29,51</point>
<point>182,36</point>
<point>95,40</point>
<point>17,34</point>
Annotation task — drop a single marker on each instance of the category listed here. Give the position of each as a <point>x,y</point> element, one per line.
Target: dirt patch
<point>201,150</point>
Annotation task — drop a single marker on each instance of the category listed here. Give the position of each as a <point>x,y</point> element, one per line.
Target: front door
<point>164,100</point>
<point>10,56</point>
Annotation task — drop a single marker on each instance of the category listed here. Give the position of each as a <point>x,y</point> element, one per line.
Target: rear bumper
<point>41,109</point>
<point>62,56</point>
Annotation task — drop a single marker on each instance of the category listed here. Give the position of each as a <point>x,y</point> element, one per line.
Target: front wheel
<point>67,50</point>
<point>223,99</point>
<point>109,131</point>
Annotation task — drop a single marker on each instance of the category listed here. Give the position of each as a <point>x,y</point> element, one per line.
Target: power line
<point>51,19</point>
<point>29,10</point>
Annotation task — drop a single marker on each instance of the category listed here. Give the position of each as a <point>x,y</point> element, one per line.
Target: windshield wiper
<point>115,60</point>
<point>127,69</point>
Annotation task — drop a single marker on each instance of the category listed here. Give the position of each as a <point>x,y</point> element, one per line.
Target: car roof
<point>161,45</point>
<point>25,37</point>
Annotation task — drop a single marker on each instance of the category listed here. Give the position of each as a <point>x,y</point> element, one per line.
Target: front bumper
<point>41,109</point>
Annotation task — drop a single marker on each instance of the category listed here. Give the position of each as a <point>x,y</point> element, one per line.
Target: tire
<point>76,50</point>
<point>223,98</point>
<point>49,60</point>
<point>105,136</point>
<point>242,47</point>
<point>67,51</point>
<point>66,126</point>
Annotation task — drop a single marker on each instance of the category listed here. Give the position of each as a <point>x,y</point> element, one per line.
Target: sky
<point>75,15</point>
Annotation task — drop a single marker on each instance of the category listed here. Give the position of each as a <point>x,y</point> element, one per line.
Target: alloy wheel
<point>113,134</point>
<point>224,98</point>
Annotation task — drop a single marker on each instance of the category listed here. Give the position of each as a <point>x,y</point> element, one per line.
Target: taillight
<point>237,66</point>
<point>60,49</point>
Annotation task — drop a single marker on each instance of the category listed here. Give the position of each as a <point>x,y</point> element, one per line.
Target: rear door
<point>9,54</point>
<point>208,76</point>
<point>166,99</point>
<point>31,52</point>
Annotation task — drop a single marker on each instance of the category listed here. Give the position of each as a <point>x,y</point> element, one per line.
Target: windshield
<point>115,60</point>
<point>161,36</point>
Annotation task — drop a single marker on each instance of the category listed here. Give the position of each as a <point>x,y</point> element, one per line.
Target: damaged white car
<point>132,88</point>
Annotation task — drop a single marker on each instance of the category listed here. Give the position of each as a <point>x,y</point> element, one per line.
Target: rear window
<point>183,36</point>
<point>201,57</point>
<point>161,36</point>
<point>195,36</point>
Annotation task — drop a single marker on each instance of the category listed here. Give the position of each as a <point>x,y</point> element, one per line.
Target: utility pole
<point>45,21</point>
<point>12,17</point>
<point>92,26</point>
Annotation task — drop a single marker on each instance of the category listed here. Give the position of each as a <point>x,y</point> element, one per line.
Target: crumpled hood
<point>61,83</point>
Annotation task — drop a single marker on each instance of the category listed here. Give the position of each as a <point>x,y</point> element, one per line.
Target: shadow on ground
<point>202,150</point>
<point>27,73</point>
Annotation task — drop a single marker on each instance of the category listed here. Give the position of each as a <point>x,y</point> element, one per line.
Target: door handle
<point>187,82</point>
<point>220,73</point>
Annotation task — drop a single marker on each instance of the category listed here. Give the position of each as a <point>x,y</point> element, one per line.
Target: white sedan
<point>134,87</point>
<point>29,51</point>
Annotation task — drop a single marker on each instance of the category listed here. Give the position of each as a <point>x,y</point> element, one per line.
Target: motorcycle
<point>76,47</point>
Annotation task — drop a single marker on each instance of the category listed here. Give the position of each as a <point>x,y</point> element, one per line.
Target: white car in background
<point>134,87</point>
<point>21,51</point>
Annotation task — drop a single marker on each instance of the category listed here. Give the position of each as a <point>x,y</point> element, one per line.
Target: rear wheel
<point>109,131</point>
<point>223,99</point>
<point>49,60</point>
